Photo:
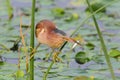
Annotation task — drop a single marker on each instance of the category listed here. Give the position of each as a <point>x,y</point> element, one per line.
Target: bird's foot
<point>56,58</point>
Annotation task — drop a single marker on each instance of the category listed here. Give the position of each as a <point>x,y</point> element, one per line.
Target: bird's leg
<point>55,57</point>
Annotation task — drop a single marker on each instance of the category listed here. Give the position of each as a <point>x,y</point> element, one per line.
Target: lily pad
<point>81,57</point>
<point>114,53</point>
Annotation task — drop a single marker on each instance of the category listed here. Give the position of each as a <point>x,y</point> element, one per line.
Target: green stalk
<point>45,75</point>
<point>102,43</point>
<point>32,41</point>
<point>10,9</point>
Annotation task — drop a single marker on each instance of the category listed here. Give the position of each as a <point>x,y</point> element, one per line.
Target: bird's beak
<point>43,30</point>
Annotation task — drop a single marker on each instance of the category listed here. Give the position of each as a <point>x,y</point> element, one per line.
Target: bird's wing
<point>59,32</point>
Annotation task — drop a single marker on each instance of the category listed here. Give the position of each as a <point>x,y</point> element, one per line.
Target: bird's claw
<point>56,58</point>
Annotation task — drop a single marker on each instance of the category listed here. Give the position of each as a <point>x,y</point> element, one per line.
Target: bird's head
<point>45,26</point>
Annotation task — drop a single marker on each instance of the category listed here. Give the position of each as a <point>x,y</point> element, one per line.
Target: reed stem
<point>32,41</point>
<point>102,43</point>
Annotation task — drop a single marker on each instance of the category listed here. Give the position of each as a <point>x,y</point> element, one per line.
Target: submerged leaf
<point>81,78</point>
<point>71,17</point>
<point>58,12</point>
<point>86,78</point>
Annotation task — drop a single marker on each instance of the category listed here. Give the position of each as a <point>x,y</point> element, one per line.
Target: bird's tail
<point>71,40</point>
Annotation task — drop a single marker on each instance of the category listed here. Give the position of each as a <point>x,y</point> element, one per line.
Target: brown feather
<point>70,40</point>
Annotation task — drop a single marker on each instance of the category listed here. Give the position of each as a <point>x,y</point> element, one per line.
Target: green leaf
<point>96,6</point>
<point>81,57</point>
<point>90,46</point>
<point>114,53</point>
<point>19,73</point>
<point>58,12</point>
<point>1,62</point>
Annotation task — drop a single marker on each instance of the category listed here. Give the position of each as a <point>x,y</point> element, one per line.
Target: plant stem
<point>45,75</point>
<point>10,9</point>
<point>23,43</point>
<point>32,41</point>
<point>102,43</point>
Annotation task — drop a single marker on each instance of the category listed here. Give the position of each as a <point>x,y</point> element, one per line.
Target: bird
<point>47,33</point>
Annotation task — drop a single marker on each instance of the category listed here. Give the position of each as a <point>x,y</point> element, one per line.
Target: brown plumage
<point>47,33</point>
